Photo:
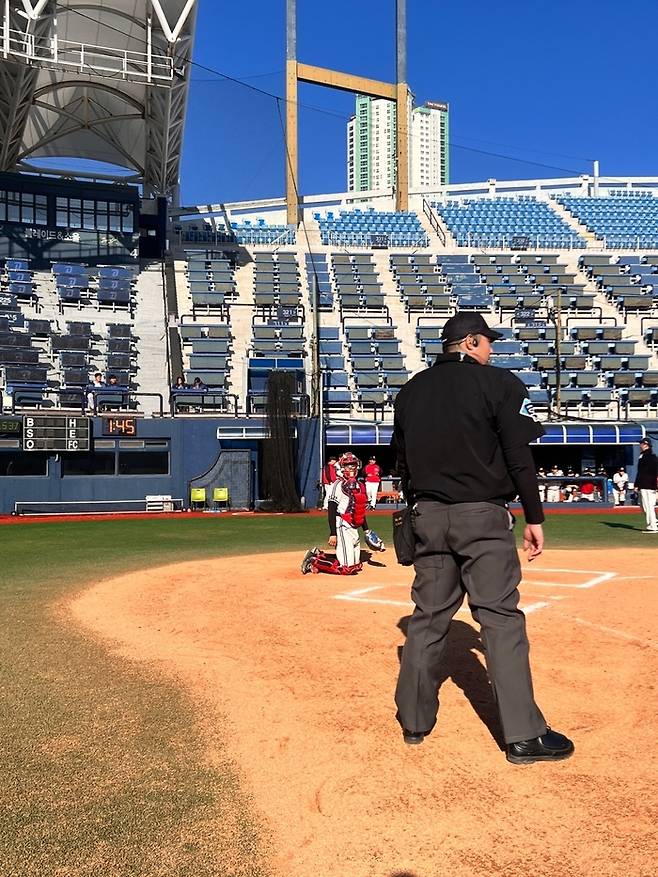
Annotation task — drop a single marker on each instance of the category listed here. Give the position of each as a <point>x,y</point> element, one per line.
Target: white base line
<point>620,633</point>
<point>353,598</point>
<point>598,577</point>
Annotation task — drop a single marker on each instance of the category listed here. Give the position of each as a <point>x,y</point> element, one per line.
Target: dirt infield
<point>304,668</point>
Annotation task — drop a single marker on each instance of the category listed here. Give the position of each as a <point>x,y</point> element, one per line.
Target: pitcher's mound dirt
<point>306,681</point>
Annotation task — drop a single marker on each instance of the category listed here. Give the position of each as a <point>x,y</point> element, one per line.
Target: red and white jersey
<point>351,499</point>
<point>373,472</point>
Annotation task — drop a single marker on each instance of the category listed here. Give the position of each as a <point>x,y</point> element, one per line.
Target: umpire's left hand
<point>533,540</point>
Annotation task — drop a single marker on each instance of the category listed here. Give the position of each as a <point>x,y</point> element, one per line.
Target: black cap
<point>645,441</point>
<point>467,323</point>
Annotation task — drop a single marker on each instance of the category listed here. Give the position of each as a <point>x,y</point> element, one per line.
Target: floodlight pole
<point>398,91</point>
<point>402,111</point>
<point>291,139</point>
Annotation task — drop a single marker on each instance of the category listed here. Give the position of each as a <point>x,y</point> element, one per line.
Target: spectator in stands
<point>619,486</point>
<point>198,384</point>
<point>180,383</point>
<point>329,475</point>
<point>646,481</point>
<point>113,381</point>
<point>96,384</point>
<point>373,475</point>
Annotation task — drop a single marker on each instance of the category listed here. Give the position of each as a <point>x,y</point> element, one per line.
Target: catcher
<point>347,512</point>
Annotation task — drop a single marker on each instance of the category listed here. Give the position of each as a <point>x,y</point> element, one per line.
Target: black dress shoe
<point>413,738</point>
<point>551,746</point>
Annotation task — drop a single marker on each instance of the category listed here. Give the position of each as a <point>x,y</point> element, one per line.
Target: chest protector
<point>355,513</point>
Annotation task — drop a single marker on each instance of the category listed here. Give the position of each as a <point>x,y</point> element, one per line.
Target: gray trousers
<point>467,548</point>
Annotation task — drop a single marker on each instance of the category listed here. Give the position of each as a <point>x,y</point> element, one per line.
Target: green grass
<point>104,771</point>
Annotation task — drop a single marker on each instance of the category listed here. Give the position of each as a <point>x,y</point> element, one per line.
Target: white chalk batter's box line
<point>597,577</point>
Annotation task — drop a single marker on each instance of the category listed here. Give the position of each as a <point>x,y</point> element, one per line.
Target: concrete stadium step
<point>435,241</point>
<point>241,323</point>
<point>405,330</point>
<point>577,226</point>
<point>149,319</point>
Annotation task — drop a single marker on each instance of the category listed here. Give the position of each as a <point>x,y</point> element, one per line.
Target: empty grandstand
<point>156,326</point>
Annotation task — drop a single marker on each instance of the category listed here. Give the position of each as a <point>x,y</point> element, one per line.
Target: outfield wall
<point>168,456</point>
<point>164,457</point>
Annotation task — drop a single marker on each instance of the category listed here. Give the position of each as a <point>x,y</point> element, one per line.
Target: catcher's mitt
<point>373,541</point>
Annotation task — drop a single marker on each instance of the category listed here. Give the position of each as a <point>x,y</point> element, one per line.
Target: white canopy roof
<point>105,80</point>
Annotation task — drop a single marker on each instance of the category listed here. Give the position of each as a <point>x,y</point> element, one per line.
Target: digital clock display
<point>123,426</point>
<point>11,426</point>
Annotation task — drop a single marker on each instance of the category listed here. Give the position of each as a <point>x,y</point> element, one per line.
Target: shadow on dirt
<point>462,665</point>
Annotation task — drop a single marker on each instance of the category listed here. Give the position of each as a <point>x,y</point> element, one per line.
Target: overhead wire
<point>226,77</point>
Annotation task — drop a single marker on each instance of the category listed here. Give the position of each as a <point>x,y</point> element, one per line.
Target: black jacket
<point>461,434</point>
<point>647,471</point>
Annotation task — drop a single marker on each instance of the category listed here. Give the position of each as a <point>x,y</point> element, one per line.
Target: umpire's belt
<point>431,497</point>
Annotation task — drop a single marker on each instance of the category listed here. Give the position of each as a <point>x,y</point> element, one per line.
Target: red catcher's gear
<point>355,513</point>
<point>325,563</point>
<point>373,472</point>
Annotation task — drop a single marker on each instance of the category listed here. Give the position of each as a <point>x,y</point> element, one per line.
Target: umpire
<point>461,439</point>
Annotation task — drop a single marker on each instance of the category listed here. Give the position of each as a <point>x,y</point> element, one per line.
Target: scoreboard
<point>56,433</point>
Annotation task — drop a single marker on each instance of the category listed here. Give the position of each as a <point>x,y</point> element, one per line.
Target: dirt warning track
<point>304,669</point>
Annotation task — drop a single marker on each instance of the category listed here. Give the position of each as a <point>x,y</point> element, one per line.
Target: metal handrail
<point>303,399</point>
<point>126,396</point>
<point>434,222</point>
<point>88,56</point>
<point>204,395</point>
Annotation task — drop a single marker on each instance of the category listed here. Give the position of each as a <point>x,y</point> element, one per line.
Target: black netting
<point>279,482</point>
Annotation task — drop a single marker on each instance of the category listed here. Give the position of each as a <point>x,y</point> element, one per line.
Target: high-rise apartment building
<point>371,146</point>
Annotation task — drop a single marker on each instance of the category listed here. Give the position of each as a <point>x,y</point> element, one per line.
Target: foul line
<point>620,633</point>
<point>360,597</point>
<point>598,577</point>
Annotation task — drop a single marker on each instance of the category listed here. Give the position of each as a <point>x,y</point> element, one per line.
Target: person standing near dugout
<point>619,484</point>
<point>461,437</point>
<point>373,473</point>
<point>645,484</point>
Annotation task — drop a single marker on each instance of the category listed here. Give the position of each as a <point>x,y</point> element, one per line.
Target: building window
<point>143,462</point>
<point>20,465</point>
<point>93,463</point>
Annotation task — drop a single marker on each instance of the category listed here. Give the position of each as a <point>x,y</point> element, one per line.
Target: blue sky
<point>548,81</point>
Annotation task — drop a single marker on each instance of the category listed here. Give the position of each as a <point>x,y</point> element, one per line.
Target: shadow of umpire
<point>462,664</point>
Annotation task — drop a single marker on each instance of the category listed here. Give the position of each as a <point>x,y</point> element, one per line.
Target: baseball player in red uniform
<point>329,476</point>
<point>347,503</point>
<point>373,474</point>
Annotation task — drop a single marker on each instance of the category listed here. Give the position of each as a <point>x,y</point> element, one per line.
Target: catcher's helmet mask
<point>348,462</point>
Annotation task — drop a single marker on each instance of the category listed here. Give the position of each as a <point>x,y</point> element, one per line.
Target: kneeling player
<point>347,512</point>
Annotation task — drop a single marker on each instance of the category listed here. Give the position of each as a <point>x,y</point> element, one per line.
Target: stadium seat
<point>198,497</point>
<point>220,498</point>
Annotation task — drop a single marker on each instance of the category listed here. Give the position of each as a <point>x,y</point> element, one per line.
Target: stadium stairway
<point>241,323</point>
<point>310,229</point>
<point>435,241</point>
<point>150,318</point>
<point>582,230</point>
<point>406,331</point>
<point>183,299</point>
